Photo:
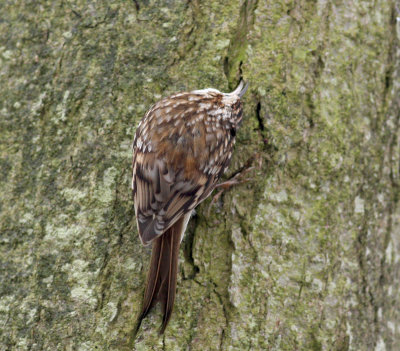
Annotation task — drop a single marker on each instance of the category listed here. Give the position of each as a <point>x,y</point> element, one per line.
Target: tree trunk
<point>305,255</point>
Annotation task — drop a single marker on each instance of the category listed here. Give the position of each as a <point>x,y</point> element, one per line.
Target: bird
<point>181,148</point>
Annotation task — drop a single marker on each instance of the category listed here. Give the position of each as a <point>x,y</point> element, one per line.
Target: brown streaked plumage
<point>182,147</point>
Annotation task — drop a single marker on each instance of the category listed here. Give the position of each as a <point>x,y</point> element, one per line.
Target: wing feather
<point>178,158</point>
<point>176,205</point>
<point>162,195</point>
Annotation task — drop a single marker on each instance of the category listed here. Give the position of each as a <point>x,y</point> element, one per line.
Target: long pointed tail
<point>161,280</point>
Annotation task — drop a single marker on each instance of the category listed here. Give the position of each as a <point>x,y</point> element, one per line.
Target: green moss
<point>301,256</point>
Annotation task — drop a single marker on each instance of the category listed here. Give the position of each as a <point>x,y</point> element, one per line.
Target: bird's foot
<point>237,178</point>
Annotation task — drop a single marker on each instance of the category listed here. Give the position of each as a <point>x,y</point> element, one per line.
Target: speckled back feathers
<point>182,147</point>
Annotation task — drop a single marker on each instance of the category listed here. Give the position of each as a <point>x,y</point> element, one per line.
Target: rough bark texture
<point>304,256</point>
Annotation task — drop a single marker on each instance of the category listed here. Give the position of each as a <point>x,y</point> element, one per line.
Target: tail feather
<point>161,280</point>
<point>167,293</point>
<point>150,295</point>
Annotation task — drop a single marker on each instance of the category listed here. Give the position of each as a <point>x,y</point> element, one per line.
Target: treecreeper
<point>182,147</point>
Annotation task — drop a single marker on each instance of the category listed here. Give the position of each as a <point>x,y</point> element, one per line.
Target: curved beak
<point>241,89</point>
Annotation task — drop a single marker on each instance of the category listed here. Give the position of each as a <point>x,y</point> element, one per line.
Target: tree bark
<point>303,256</point>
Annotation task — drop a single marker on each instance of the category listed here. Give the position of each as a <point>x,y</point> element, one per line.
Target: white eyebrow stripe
<point>206,91</point>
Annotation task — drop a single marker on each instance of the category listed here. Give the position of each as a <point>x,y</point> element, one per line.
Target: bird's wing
<point>163,193</point>
<point>180,151</point>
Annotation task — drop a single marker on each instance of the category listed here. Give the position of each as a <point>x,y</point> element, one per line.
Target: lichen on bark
<point>303,256</point>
